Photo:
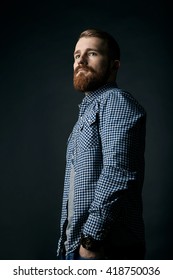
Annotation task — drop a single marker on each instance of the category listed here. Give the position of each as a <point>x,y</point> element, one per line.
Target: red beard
<point>90,82</point>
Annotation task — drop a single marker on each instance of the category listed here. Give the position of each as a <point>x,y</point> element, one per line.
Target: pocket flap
<point>91,118</point>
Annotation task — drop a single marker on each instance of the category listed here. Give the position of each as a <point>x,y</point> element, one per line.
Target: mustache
<point>88,68</point>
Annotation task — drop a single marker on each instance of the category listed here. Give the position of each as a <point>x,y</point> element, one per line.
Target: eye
<point>76,56</point>
<point>92,54</point>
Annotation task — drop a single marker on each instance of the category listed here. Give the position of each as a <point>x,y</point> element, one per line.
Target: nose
<point>83,60</point>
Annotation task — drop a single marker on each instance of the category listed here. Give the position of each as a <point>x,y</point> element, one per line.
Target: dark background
<point>39,107</point>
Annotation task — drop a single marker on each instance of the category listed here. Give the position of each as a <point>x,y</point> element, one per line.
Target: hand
<point>84,253</point>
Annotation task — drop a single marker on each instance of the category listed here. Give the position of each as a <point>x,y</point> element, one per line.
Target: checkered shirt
<point>106,148</point>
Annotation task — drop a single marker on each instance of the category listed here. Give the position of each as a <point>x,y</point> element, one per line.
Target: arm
<point>121,127</point>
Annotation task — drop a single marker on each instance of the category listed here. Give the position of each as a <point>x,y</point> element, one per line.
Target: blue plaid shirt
<point>106,148</point>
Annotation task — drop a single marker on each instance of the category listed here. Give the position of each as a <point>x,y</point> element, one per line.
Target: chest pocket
<point>88,137</point>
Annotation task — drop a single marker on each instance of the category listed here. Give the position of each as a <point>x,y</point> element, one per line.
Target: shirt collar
<point>89,97</point>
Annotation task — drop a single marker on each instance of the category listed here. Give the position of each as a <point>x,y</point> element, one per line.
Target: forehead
<point>91,43</point>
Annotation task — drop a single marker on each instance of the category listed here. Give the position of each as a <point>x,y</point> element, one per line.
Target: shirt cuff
<point>95,227</point>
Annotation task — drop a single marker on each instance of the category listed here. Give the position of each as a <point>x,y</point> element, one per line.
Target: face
<point>92,67</point>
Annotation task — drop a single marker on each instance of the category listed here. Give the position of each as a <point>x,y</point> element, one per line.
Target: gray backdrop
<point>39,107</point>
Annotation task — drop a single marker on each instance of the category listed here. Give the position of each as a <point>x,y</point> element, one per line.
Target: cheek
<point>74,65</point>
<point>101,65</point>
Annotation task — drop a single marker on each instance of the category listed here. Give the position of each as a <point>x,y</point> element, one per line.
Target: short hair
<point>113,47</point>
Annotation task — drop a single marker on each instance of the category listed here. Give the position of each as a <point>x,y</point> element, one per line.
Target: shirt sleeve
<point>122,133</point>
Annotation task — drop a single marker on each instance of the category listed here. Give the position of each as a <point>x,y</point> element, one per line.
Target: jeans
<point>117,253</point>
<point>73,256</point>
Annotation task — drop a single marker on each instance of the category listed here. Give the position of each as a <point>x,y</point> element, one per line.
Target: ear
<point>115,64</point>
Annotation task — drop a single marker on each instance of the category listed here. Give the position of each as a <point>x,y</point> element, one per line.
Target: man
<point>102,201</point>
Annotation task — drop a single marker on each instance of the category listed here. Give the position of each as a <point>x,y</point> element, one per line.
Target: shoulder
<point>121,99</point>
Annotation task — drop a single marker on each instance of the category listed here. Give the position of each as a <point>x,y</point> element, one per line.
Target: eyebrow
<point>88,49</point>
